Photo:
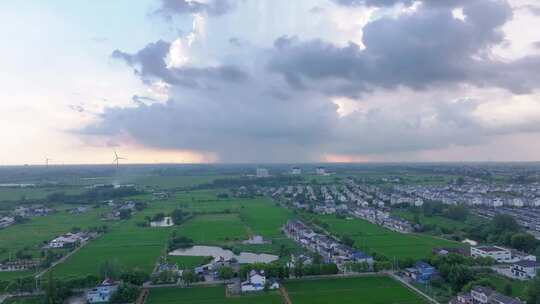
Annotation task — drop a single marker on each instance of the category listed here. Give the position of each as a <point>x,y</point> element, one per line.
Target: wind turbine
<point>47,160</point>
<point>117,159</point>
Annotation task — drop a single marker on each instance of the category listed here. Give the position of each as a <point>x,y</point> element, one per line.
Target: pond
<point>217,252</point>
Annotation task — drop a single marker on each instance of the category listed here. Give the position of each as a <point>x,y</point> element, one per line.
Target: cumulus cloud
<point>421,50</point>
<point>410,87</point>
<point>151,63</point>
<point>170,8</point>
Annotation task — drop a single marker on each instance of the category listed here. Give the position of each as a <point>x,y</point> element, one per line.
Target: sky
<point>262,81</point>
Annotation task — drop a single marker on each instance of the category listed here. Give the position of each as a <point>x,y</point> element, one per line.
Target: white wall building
<point>257,281</point>
<point>499,254</point>
<point>524,270</point>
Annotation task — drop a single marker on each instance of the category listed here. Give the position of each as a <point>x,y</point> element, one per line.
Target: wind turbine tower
<point>117,159</point>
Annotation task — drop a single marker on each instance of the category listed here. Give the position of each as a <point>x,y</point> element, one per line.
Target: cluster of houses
<point>18,265</point>
<point>34,210</point>
<point>327,247</point>
<point>382,218</point>
<point>6,221</point>
<point>526,217</point>
<point>483,295</point>
<point>69,240</point>
<point>114,215</point>
<point>522,266</point>
<point>79,210</point>
<point>475,194</point>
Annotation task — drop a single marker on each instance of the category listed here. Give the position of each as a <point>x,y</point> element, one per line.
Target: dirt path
<point>142,296</point>
<point>418,291</point>
<point>284,295</point>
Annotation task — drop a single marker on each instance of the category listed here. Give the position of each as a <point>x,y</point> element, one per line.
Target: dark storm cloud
<point>421,50</point>
<point>378,3</point>
<point>150,63</point>
<point>387,3</point>
<point>169,8</point>
<point>285,112</point>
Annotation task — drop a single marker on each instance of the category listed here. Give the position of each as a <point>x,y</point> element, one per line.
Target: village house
<point>257,281</point>
<point>6,221</point>
<point>422,272</point>
<point>330,250</point>
<point>103,292</point>
<point>18,265</point>
<point>524,269</point>
<point>68,240</point>
<point>497,253</point>
<point>484,295</point>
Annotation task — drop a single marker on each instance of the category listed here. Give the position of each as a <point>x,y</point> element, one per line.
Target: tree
<point>458,213</point>
<point>504,223</point>
<point>347,240</point>
<point>178,216</point>
<point>524,242</point>
<point>125,214</point>
<point>533,291</point>
<point>126,293</point>
<point>225,273</point>
<point>188,276</point>
<point>110,269</point>
<point>458,276</point>
<point>508,289</point>
<point>158,217</point>
<point>298,269</point>
<point>284,251</point>
<point>135,277</point>
<point>177,242</point>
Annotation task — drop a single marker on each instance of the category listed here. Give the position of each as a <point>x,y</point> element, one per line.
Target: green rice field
<point>208,295</point>
<point>365,290</point>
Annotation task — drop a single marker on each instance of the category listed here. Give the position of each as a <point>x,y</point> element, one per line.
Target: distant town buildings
<point>320,171</point>
<point>296,171</point>
<point>262,173</point>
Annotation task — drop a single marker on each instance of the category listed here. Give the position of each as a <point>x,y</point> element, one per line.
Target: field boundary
<point>412,288</point>
<point>284,295</point>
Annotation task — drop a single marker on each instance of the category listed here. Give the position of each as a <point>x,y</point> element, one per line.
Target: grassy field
<point>11,275</point>
<point>131,246</point>
<point>38,230</point>
<point>25,300</point>
<point>519,288</point>
<point>440,221</point>
<point>127,245</point>
<point>373,238</point>
<point>186,262</point>
<point>170,182</point>
<point>15,194</point>
<point>215,229</point>
<point>365,290</point>
<point>208,295</point>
